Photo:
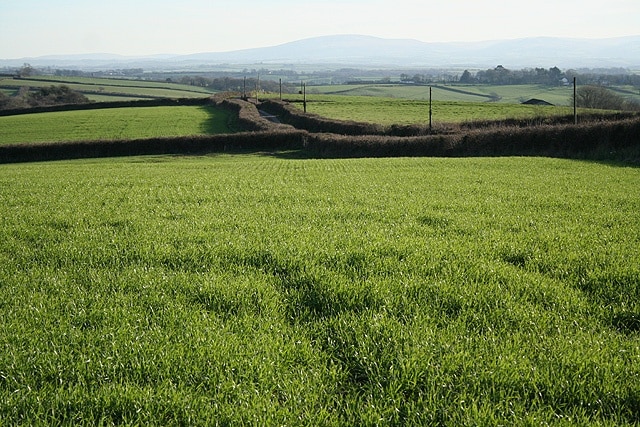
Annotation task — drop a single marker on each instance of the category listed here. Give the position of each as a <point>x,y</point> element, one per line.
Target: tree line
<point>553,76</point>
<point>599,97</point>
<point>45,96</point>
<point>232,84</point>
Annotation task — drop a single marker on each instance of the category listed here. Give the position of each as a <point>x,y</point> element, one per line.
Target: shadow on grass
<point>305,155</point>
<point>219,121</point>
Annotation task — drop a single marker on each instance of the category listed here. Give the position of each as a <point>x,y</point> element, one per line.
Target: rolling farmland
<point>114,123</point>
<point>388,111</point>
<point>254,289</point>
<point>275,289</point>
<point>103,89</point>
<point>510,94</point>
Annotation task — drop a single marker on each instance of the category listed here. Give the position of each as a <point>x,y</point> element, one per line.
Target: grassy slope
<point>512,94</point>
<point>111,89</point>
<point>389,111</point>
<point>259,290</point>
<point>116,123</point>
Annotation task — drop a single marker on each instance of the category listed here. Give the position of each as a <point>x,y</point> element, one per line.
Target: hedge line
<point>600,137</point>
<point>249,117</point>
<point>583,118</point>
<point>616,138</point>
<point>157,102</point>
<point>315,123</point>
<point>198,144</point>
<point>260,134</point>
<point>607,140</point>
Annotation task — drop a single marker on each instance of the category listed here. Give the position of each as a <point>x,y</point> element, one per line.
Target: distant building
<point>534,101</point>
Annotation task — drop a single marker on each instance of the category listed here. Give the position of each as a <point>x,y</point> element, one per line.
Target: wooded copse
<point>553,76</point>
<point>45,96</point>
<point>599,97</point>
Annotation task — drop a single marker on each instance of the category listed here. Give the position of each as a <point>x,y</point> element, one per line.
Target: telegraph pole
<point>304,96</point>
<point>575,100</point>
<point>257,88</point>
<point>430,110</point>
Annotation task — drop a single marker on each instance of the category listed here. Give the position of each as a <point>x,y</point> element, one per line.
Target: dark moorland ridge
<point>363,51</point>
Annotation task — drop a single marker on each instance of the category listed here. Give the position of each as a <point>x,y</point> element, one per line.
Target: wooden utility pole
<point>430,110</point>
<point>304,96</point>
<point>575,103</point>
<point>257,88</point>
<point>280,89</point>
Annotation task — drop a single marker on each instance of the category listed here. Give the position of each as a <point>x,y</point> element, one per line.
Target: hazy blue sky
<point>140,27</point>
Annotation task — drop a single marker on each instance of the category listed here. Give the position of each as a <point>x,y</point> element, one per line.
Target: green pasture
<point>510,94</point>
<point>103,89</point>
<point>113,123</point>
<point>273,290</point>
<point>102,81</point>
<point>388,111</point>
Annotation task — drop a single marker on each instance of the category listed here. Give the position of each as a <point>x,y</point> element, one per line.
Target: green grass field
<point>510,94</point>
<point>264,290</point>
<point>103,89</point>
<point>388,111</point>
<point>113,123</point>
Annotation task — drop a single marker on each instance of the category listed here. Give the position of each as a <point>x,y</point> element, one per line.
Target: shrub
<point>605,140</point>
<point>56,95</point>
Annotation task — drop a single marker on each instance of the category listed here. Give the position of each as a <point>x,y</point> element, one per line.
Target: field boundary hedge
<point>71,80</point>
<point>156,102</point>
<point>197,144</point>
<point>314,123</point>
<point>291,115</point>
<point>616,138</point>
<point>249,117</point>
<point>607,140</point>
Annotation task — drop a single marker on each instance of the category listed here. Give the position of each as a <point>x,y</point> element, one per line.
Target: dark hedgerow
<point>614,138</point>
<point>610,140</point>
<point>249,117</point>
<point>196,144</point>
<point>159,102</point>
<point>315,123</point>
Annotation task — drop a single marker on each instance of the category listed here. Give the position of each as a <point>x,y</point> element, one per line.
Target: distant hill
<point>368,51</point>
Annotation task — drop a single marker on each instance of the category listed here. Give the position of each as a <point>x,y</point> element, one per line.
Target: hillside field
<point>388,111</point>
<point>268,290</point>
<point>104,89</point>
<point>509,94</point>
<point>148,122</point>
<point>512,94</point>
<point>114,123</point>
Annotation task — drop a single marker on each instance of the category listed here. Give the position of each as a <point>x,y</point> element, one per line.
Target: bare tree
<point>26,70</point>
<point>598,97</point>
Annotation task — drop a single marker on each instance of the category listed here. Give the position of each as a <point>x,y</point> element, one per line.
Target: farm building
<point>534,101</point>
